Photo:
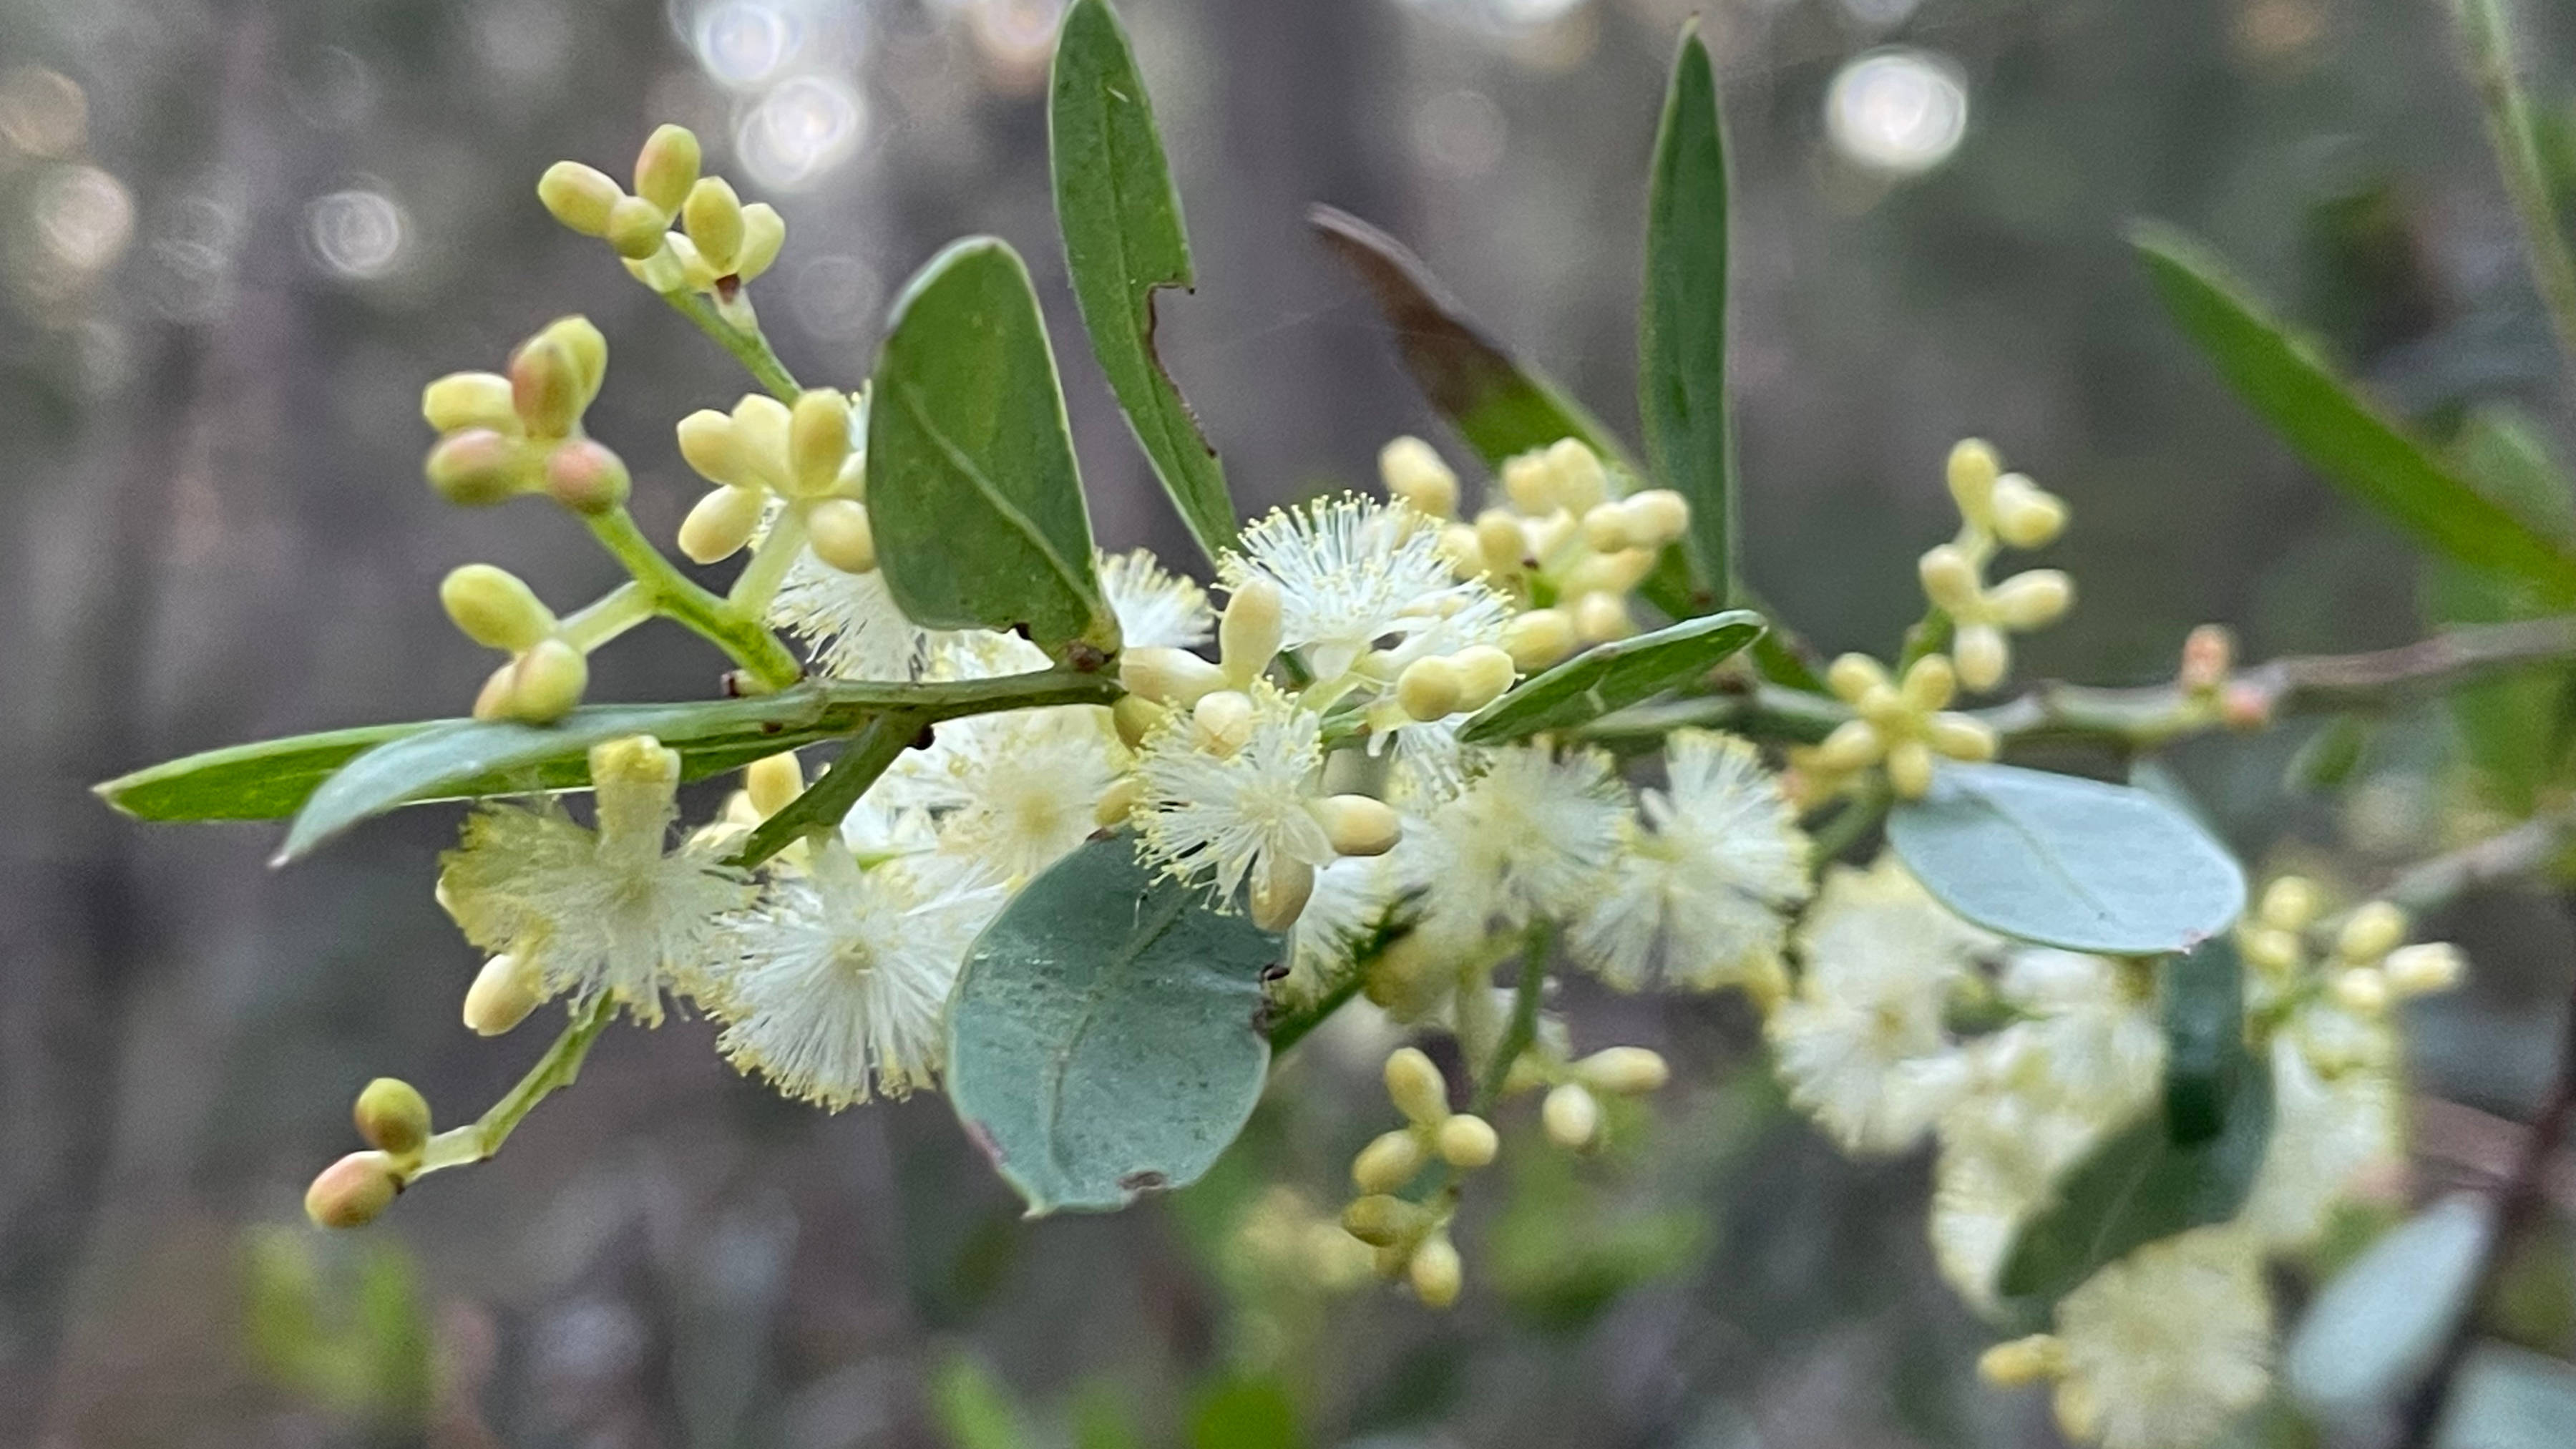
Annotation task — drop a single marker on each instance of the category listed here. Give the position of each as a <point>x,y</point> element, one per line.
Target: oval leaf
<point>972,486</point>
<point>1123,242</point>
<point>1105,1038</point>
<point>2382,1322</point>
<point>1681,316</point>
<point>2067,862</point>
<point>1613,676</point>
<point>2135,1187</point>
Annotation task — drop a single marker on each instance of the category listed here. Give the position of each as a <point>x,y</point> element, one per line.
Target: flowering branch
<point>735,630</point>
<point>749,345</point>
<point>482,1138</point>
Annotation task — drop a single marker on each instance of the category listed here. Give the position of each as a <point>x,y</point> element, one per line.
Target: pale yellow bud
<point>720,523</point>
<point>1416,1087</point>
<point>2026,517</point>
<point>1381,1220</point>
<point>1357,824</point>
<point>772,781</point>
<point>637,229</point>
<point>1610,573</point>
<point>687,262</point>
<point>709,445</point>
<point>2079,1411</point>
<point>1972,472</point>
<point>2208,655</point>
<point>494,607</point>
<point>392,1115</point>
<point>587,347</point>
<point>504,992</point>
<point>1434,1272</point>
<point>1571,1115</point>
<point>2272,949</point>
<point>667,167</point>
<point>1909,769</point>
<point>764,231</point>
<point>545,387</point>
<point>838,531</point>
<point>1884,706</point>
<point>818,436</point>
<point>2361,989</point>
<point>2022,1362</point>
<point>1930,683</point>
<point>1281,886</point>
<point>1116,803</point>
<point>1655,517</point>
<point>1605,528</point>
<point>1223,719</point>
<point>1855,744</point>
<point>463,400</point>
<point>579,196</point>
<point>1414,472</point>
<point>1249,633</point>
<point>713,216</point>
<point>1542,538</point>
<point>1624,1071</point>
<point>1962,737</point>
<point>492,701</point>
<point>2421,970</point>
<point>2373,930</point>
<point>1458,545</point>
<point>586,477</point>
<point>2032,600</point>
<point>1467,1142</point>
<point>1530,483</point>
<point>1949,579</point>
<point>1485,672</point>
<point>2291,903</point>
<point>1429,689</point>
<point>760,428</point>
<point>353,1191</point>
<point>1388,1162</point>
<point>1135,717</point>
<point>1389,1260</point>
<point>1982,654</point>
<point>1539,638</point>
<point>1581,481</point>
<point>1852,675</point>
<point>546,682</point>
<point>1500,542</point>
<point>477,467</point>
<point>1167,675</point>
<point>1600,618</point>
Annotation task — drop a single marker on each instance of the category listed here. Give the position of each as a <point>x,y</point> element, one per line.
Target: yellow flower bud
<point>1655,517</point>
<point>1972,472</point>
<point>1357,824</point>
<point>667,167</point>
<point>1381,1220</point>
<point>579,196</point>
<point>1949,580</point>
<point>818,435</point>
<point>1429,689</point>
<point>1545,536</point>
<point>1982,654</point>
<point>1909,769</point>
<point>1388,1162</point>
<point>710,447</point>
<point>1930,683</point>
<point>1223,719</point>
<point>351,1192</point>
<point>719,524</point>
<point>2208,654</point>
<point>2420,970</point>
<point>2022,1362</point>
<point>1166,675</point>
<point>2032,600</point>
<point>637,229</point>
<point>492,701</point>
<point>1962,737</point>
<point>588,349</point>
<point>494,608</point>
<point>463,400</point>
<point>1135,717</point>
<point>1249,633</point>
<point>546,682</point>
<point>764,231</point>
<point>1530,483</point>
<point>687,263</point>
<point>2026,517</point>
<point>1484,674</point>
<point>1852,675</point>
<point>545,387</point>
<point>1581,481</point>
<point>1610,573</point>
<point>760,427</point>
<point>477,467</point>
<point>1281,886</point>
<point>2373,930</point>
<point>838,531</point>
<point>2361,989</point>
<point>1600,618</point>
<point>392,1115</point>
<point>1605,528</point>
<point>713,216</point>
<point>1855,744</point>
<point>1884,706</point>
<point>1458,545</point>
<point>1416,1087</point>
<point>2079,1411</point>
<point>1434,1272</point>
<point>1571,1115</point>
<point>1467,1142</point>
<point>772,781</point>
<point>2290,903</point>
<point>1624,1071</point>
<point>504,992</point>
<point>1501,543</point>
<point>1116,803</point>
<point>587,477</point>
<point>2272,950</point>
<point>1415,473</point>
<point>1538,639</point>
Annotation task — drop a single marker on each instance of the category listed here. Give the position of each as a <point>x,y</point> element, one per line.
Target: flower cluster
<point>723,243</point>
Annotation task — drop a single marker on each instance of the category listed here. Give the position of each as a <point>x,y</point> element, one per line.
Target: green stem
<point>824,802</point>
<point>611,614</point>
<point>1830,840</point>
<point>750,644</point>
<point>758,582</point>
<point>2486,34</point>
<point>482,1138</point>
<point>1292,1028</point>
<point>749,347</point>
<point>1523,1027</point>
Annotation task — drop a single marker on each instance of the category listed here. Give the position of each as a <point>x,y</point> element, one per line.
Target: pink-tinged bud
<point>546,682</point>
<point>579,196</point>
<point>545,387</point>
<point>667,167</point>
<point>392,1114</point>
<point>2245,707</point>
<point>463,400</point>
<point>636,228</point>
<point>586,477</point>
<point>477,468</point>
<point>353,1191</point>
<point>2208,657</point>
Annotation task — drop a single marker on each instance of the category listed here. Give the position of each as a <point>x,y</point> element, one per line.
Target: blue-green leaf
<point>2373,1331</point>
<point>1681,316</point>
<point>1611,677</point>
<point>2067,862</point>
<point>972,485</point>
<point>1105,1038</point>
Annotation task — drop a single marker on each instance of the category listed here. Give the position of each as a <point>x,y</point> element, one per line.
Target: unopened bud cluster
<point>394,1120</point>
<point>1996,510</point>
<point>1903,725</point>
<point>721,243</point>
<point>766,454</point>
<point>2359,962</point>
<point>501,435</point>
<point>1412,1238</point>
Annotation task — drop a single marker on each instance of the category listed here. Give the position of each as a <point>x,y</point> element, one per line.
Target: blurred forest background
<point>236,238</point>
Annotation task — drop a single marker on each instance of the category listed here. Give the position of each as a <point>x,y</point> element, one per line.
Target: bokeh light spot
<point>1897,111</point>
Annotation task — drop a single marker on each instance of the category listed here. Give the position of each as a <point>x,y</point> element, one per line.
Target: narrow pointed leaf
<point>2067,862</point>
<point>972,485</point>
<point>1123,242</point>
<point>2288,383</point>
<point>2514,730</point>
<point>265,780</point>
<point>1611,677</point>
<point>1681,317</point>
<point>1105,1038</point>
